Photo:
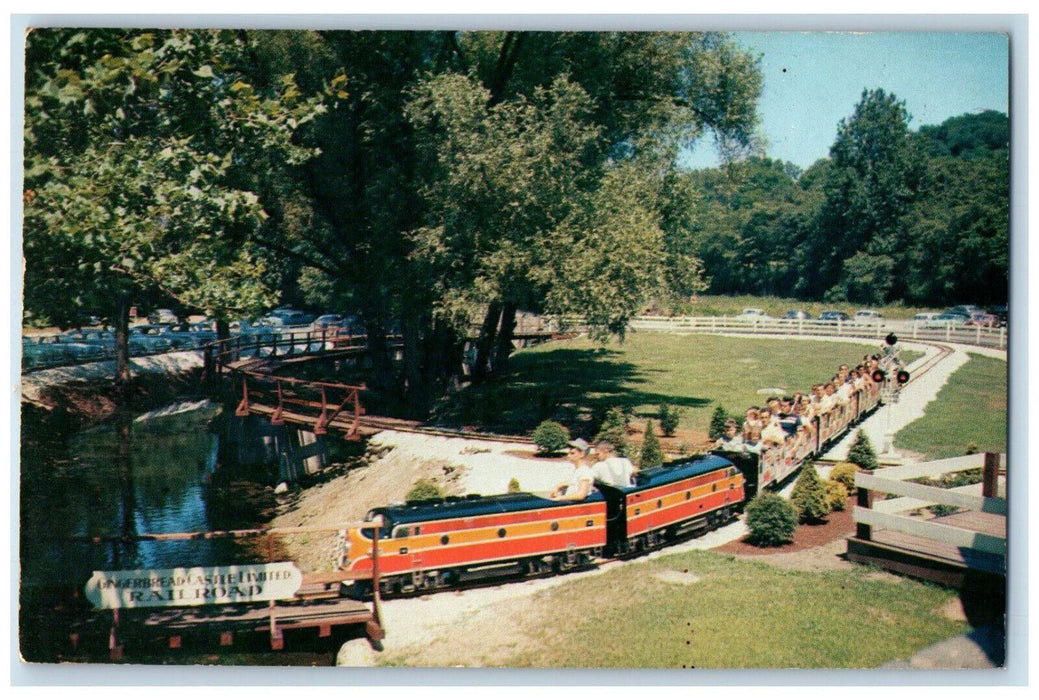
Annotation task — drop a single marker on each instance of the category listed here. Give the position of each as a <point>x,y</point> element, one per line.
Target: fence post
<point>990,478</point>
<point>864,499</point>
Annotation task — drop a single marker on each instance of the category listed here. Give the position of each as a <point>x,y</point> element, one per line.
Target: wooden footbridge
<point>261,371</point>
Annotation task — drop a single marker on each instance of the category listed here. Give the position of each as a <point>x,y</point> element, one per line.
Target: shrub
<point>972,448</point>
<point>809,496</point>
<point>422,490</point>
<point>836,495</point>
<point>514,485</point>
<point>861,452</point>
<point>613,429</point>
<point>771,520</point>
<point>718,418</point>
<point>844,472</point>
<point>550,437</point>
<point>669,417</point>
<point>652,455</point>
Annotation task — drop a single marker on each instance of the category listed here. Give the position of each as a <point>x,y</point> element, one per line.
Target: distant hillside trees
<point>892,215</point>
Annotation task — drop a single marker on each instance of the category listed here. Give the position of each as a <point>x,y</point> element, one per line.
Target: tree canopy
<point>438,182</point>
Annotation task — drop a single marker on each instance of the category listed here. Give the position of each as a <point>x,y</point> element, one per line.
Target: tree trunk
<point>505,332</point>
<point>417,390</point>
<point>122,349</point>
<point>485,343</point>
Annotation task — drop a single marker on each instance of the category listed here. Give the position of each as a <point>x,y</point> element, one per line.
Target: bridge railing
<point>316,405</point>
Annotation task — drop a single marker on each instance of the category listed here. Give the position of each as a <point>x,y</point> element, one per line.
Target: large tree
<point>407,234</point>
<point>875,175</point>
<point>144,152</point>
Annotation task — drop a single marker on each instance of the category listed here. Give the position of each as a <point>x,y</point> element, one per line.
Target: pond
<point>136,475</point>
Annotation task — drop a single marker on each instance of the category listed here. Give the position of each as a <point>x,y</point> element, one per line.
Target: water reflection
<point>131,476</point>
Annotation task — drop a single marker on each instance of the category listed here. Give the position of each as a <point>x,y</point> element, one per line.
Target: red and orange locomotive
<point>445,542</point>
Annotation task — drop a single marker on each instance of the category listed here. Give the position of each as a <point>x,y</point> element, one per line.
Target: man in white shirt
<point>612,469</point>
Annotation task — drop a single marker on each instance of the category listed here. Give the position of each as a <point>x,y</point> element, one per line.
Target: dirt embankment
<point>73,398</point>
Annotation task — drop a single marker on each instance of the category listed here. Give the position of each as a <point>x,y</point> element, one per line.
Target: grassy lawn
<point>706,610</point>
<point>972,407</point>
<point>575,381</point>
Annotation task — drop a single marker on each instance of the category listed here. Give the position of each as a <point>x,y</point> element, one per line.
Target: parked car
<point>798,314</point>
<point>288,317</point>
<point>948,320</point>
<point>833,315</point>
<point>752,313</point>
<point>187,335</point>
<point>329,321</point>
<point>148,338</point>
<point>163,316</point>
<point>925,317</point>
<point>982,319</point>
<point>867,316</point>
<point>251,329</point>
<point>1000,312</point>
<point>964,310</point>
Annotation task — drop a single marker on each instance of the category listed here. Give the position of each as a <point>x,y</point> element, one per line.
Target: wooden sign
<point>211,585</point>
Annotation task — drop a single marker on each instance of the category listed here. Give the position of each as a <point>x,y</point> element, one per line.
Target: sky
<point>812,80</point>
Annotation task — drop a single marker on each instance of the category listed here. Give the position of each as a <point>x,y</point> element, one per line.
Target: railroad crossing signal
<point>891,375</point>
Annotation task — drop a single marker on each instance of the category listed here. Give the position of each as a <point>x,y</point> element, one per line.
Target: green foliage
<point>862,453</point>
<point>422,490</point>
<point>614,429</point>
<point>972,448</point>
<point>718,418</point>
<point>844,473</point>
<point>550,437</point>
<point>652,455</point>
<point>836,495</point>
<point>669,419</point>
<point>514,485</point>
<point>809,495</point>
<point>153,187</point>
<point>771,520</point>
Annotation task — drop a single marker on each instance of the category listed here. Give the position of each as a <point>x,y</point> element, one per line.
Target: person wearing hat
<point>580,484</point>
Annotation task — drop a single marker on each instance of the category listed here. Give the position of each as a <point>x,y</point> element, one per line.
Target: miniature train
<point>443,543</point>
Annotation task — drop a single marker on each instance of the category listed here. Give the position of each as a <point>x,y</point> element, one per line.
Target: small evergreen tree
<point>771,520</point>
<point>844,472</point>
<point>862,452</point>
<point>423,490</point>
<point>836,495</point>
<point>809,496</point>
<point>718,418</point>
<point>614,430</point>
<point>669,417</point>
<point>652,455</point>
<point>550,437</point>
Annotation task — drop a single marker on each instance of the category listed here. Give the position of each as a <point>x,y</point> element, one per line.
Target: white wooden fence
<point>905,330</point>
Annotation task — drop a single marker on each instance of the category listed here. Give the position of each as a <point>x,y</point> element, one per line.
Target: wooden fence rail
<point>890,533</point>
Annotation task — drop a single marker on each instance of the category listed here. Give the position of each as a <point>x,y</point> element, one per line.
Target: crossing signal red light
<point>878,375</point>
<point>902,376</point>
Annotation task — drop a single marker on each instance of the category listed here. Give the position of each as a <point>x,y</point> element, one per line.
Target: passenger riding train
<point>442,543</point>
